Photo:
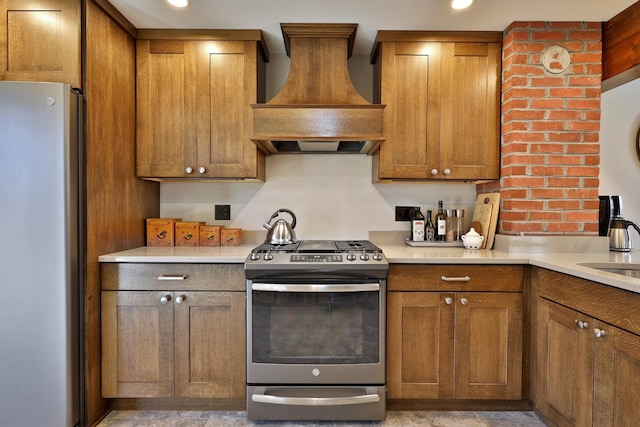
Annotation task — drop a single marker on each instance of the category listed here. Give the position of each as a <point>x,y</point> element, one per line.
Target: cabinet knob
<point>447,171</point>
<point>189,170</point>
<point>434,171</point>
<point>599,333</point>
<point>180,299</point>
<point>201,169</point>
<point>165,299</point>
<point>464,301</point>
<point>581,325</point>
<point>448,300</point>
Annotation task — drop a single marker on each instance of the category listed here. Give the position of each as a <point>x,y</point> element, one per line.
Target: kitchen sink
<point>622,268</point>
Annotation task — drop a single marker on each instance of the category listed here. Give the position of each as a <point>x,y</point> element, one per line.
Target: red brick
<point>583,125</point>
<point>522,205</point>
<point>581,215</point>
<point>547,193</point>
<point>592,115</point>
<point>585,104</point>
<point>527,159</point>
<point>586,57</point>
<point>523,70</point>
<point>523,115</point>
<point>593,92</point>
<point>522,181</point>
<point>573,46</point>
<point>545,216</point>
<point>506,215</point>
<point>547,125</point>
<point>547,103</point>
<point>547,81</point>
<point>547,148</point>
<point>512,193</point>
<point>564,137</point>
<point>563,182</point>
<point>584,35</point>
<point>513,170</point>
<point>565,114</point>
<point>523,137</point>
<point>564,160</point>
<point>548,35</point>
<point>583,148</point>
<point>514,103</point>
<point>564,227</point>
<point>566,92</point>
<point>585,81</point>
<point>583,171</point>
<point>564,204</point>
<point>566,24</point>
<point>582,193</point>
<point>547,171</point>
<point>591,137</point>
<point>593,182</point>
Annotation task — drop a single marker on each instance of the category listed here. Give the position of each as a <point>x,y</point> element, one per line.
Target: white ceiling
<point>370,15</point>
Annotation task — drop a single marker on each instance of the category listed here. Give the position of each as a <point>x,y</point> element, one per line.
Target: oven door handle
<point>316,401</point>
<point>281,287</point>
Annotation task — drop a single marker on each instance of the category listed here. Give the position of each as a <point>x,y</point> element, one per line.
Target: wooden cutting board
<point>486,213</point>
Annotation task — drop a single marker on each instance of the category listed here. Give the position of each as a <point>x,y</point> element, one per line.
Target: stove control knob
<point>351,257</point>
<point>268,257</point>
<point>377,256</point>
<point>255,256</point>
<point>364,257</point>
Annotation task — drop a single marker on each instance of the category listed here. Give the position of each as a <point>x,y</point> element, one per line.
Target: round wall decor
<point>556,59</point>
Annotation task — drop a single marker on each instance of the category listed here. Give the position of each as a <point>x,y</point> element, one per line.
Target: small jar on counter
<point>455,222</point>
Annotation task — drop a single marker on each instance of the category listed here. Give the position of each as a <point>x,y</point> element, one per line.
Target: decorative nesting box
<point>161,231</point>
<point>188,233</point>
<point>210,235</point>
<point>231,237</point>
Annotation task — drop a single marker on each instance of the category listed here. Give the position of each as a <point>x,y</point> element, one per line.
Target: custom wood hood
<point>318,109</point>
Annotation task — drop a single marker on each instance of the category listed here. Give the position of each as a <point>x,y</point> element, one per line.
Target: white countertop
<point>402,254</point>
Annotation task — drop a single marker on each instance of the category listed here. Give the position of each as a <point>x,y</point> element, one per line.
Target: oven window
<point>316,328</point>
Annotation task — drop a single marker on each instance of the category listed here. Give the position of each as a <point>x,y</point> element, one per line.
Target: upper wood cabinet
<point>442,96</point>
<point>194,93</point>
<point>40,41</point>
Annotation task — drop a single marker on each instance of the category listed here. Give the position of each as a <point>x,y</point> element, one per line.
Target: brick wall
<point>550,131</point>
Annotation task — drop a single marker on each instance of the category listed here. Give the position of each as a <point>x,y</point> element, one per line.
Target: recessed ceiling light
<point>178,3</point>
<point>461,4</point>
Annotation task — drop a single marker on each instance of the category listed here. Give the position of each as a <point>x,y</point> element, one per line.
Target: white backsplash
<point>332,196</point>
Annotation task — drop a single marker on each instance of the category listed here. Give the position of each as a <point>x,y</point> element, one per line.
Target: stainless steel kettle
<point>619,238</point>
<point>280,233</point>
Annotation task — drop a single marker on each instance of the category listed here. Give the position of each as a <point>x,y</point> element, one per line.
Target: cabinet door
<point>166,108</point>
<point>210,343</point>
<point>410,87</point>
<point>488,341</point>
<point>470,110</point>
<point>40,41</point>
<point>616,377</point>
<point>137,344</point>
<point>564,359</point>
<point>227,86</point>
<point>420,327</point>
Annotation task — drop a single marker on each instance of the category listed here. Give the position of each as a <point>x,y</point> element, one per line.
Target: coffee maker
<point>612,224</point>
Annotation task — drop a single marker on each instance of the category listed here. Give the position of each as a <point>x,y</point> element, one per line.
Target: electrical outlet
<point>223,212</point>
<point>403,213</point>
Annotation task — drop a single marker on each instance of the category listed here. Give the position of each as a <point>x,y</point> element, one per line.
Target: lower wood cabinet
<point>462,344</point>
<point>169,343</point>
<point>588,370</point>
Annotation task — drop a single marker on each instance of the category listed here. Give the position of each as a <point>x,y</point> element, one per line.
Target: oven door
<point>316,333</point>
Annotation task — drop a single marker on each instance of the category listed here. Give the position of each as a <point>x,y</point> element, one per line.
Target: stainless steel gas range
<point>316,331</point>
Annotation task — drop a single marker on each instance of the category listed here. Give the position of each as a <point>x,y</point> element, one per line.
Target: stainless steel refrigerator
<point>41,261</point>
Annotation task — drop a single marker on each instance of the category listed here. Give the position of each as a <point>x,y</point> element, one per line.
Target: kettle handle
<point>293,216</point>
<point>633,224</point>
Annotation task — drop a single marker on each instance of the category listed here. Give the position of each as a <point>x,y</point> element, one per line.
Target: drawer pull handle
<point>599,333</point>
<point>173,277</point>
<point>455,279</point>
<point>448,300</point>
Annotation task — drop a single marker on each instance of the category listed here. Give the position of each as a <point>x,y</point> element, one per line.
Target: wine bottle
<point>429,230</point>
<point>417,225</point>
<point>441,223</point>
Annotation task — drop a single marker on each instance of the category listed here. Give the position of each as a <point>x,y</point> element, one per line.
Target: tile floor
<point>394,418</point>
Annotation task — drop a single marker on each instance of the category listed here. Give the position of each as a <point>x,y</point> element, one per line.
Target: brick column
<point>550,131</point>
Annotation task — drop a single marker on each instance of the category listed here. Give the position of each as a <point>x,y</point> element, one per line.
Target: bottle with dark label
<point>441,223</point>
<point>417,226</point>
<point>429,230</point>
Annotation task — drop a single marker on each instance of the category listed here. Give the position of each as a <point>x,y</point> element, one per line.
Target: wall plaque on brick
<point>556,59</point>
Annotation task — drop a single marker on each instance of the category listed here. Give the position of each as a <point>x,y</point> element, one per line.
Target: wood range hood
<point>318,110</point>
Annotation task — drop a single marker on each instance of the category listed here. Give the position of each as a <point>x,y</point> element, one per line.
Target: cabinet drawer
<point>421,277</point>
<point>616,306</point>
<point>193,277</point>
